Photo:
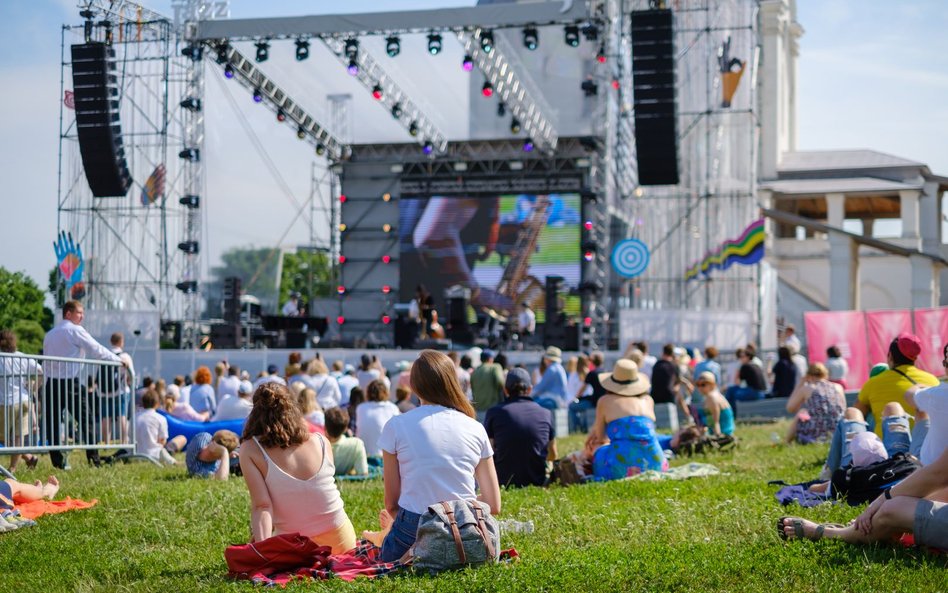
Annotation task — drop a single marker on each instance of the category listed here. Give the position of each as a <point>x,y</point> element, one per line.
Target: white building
<point>824,241</point>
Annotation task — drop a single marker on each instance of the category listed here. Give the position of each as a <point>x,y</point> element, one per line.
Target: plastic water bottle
<point>775,439</point>
<point>514,526</point>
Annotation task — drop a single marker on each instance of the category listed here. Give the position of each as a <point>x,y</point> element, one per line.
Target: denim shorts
<point>401,537</point>
<point>896,434</point>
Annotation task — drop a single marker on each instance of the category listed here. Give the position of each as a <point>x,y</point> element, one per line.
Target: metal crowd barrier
<point>50,404</point>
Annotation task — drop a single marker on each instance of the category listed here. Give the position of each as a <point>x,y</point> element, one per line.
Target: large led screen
<point>502,248</point>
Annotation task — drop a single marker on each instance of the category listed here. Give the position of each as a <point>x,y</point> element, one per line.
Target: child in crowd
<point>348,452</point>
<point>152,430</point>
<point>209,456</point>
<point>313,414</point>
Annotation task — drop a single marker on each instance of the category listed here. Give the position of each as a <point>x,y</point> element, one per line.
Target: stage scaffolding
<point>131,248</point>
<point>717,147</point>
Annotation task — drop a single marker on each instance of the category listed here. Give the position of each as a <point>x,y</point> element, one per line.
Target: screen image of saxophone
<point>502,248</point>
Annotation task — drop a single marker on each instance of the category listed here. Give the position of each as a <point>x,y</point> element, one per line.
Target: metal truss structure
<point>130,244</point>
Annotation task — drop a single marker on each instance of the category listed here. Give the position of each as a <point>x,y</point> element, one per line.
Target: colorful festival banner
<point>931,327</point>
<point>747,249</point>
<point>71,265</point>
<point>882,327</point>
<point>154,186</point>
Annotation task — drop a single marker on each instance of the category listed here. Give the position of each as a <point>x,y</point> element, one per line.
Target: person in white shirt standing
<point>115,390</point>
<point>63,391</point>
<point>526,321</point>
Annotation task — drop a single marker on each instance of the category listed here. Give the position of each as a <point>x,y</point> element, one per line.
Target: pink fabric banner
<point>847,331</point>
<point>883,327</point>
<point>931,327</point>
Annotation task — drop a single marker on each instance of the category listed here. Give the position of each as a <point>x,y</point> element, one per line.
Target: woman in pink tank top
<point>289,473</point>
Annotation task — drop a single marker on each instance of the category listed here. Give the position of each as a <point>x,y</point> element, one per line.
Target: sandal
<point>798,533</point>
<point>31,462</point>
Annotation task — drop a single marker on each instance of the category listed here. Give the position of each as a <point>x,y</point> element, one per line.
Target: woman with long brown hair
<point>433,453</point>
<point>289,473</point>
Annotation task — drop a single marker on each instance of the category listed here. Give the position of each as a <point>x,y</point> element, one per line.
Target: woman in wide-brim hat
<point>623,441</point>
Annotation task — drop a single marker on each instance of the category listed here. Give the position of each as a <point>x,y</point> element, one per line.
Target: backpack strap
<point>482,528</point>
<point>455,532</point>
<point>914,382</point>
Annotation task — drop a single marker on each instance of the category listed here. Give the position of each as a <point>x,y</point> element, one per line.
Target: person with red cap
<point>884,396</point>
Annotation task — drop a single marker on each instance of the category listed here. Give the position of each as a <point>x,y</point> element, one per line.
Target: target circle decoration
<point>630,258</point>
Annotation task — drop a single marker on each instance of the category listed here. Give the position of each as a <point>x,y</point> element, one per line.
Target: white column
<point>924,286</point>
<point>908,202</point>
<point>844,259</point>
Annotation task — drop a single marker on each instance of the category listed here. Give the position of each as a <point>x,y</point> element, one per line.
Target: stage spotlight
<point>467,64</point>
<point>386,259</point>
<point>531,38</point>
<point>191,104</point>
<point>386,197</point>
<point>190,201</point>
<point>342,259</point>
<point>488,89</point>
<point>301,132</point>
<point>501,109</point>
<point>195,52</point>
<point>386,289</point>
<point>352,48</point>
<point>615,84</point>
<point>386,228</point>
<point>281,117</point>
<point>434,44</point>
<point>257,96</point>
<point>377,92</point>
<point>601,54</point>
<point>571,35</point>
<point>386,319</point>
<point>341,289</point>
<point>302,49</point>
<point>340,320</point>
<point>342,227</point>
<point>428,147</point>
<point>589,255</point>
<point>228,71</point>
<point>222,53</point>
<point>320,149</point>
<point>397,110</point>
<point>190,154</point>
<point>588,225</point>
<point>353,67</point>
<point>263,51</point>
<point>413,129</point>
<point>587,321</point>
<point>591,31</point>
<point>487,41</point>
<point>590,88</point>
<point>187,287</point>
<point>528,145</point>
<point>515,126</point>
<point>393,46</point>
<point>342,198</point>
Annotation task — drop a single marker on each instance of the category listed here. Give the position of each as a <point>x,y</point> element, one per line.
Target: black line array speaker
<point>97,119</point>
<point>653,87</point>
<point>230,297</point>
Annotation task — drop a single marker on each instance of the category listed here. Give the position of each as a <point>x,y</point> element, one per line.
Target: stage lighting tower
<point>263,51</point>
<point>487,41</point>
<point>302,49</point>
<point>531,38</point>
<point>571,35</point>
<point>393,46</point>
<point>434,44</point>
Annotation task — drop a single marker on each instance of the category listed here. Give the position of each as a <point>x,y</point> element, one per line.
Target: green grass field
<point>156,530</point>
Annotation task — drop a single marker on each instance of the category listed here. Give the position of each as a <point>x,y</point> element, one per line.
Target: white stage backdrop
<point>726,330</point>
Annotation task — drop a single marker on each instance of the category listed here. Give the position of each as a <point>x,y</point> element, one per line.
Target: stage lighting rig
<point>487,89</point>
<point>467,64</point>
<point>501,109</point>
<point>413,129</point>
<point>281,116</point>
<point>531,38</point>
<point>352,48</point>
<point>377,92</point>
<point>257,96</point>
<point>591,31</point>
<point>601,54</point>
<point>353,67</point>
<point>302,49</point>
<point>590,88</point>
<point>434,44</point>
<point>397,110</point>
<point>515,126</point>
<point>528,145</point>
<point>263,51</point>
<point>427,147</point>
<point>228,71</point>
<point>571,35</point>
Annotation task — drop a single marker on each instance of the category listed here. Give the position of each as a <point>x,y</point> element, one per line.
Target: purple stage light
<point>528,145</point>
<point>353,68</point>
<point>467,64</point>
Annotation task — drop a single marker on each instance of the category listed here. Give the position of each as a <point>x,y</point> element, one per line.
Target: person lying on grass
<point>289,473</point>
<point>209,456</point>
<point>916,505</point>
<point>13,492</point>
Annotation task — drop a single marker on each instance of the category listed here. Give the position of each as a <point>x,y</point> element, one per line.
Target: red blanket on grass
<point>38,508</point>
<point>362,561</point>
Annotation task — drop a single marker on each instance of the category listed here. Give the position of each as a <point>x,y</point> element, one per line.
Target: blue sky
<point>872,74</point>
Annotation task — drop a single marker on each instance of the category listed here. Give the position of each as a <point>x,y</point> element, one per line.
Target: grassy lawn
<point>155,530</point>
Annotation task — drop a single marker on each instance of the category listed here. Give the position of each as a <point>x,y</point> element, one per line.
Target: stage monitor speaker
<point>95,85</point>
<point>226,336</point>
<point>653,90</point>
<point>554,284</point>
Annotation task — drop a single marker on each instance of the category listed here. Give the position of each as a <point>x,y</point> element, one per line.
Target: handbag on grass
<point>275,554</point>
<point>454,534</point>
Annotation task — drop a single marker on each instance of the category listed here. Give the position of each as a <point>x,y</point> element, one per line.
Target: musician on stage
<point>526,321</point>
<point>292,306</point>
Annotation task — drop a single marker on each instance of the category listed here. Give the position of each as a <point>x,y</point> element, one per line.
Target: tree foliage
<point>22,310</point>
<point>257,270</point>
<point>306,272</point>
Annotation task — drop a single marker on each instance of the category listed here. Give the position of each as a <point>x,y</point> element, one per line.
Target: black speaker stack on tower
<point>97,119</point>
<point>229,334</point>
<point>653,89</point>
<point>554,327</point>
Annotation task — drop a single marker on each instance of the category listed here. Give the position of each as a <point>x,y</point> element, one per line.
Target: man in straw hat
<point>551,391</point>
<point>629,414</point>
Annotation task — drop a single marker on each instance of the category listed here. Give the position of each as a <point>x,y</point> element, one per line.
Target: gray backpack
<point>454,534</point>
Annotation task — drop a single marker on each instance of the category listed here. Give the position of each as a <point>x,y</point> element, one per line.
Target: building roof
<point>844,185</point>
<point>841,160</point>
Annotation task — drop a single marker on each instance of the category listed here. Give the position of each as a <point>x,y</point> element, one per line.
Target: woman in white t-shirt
<point>373,414</point>
<point>433,453</point>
